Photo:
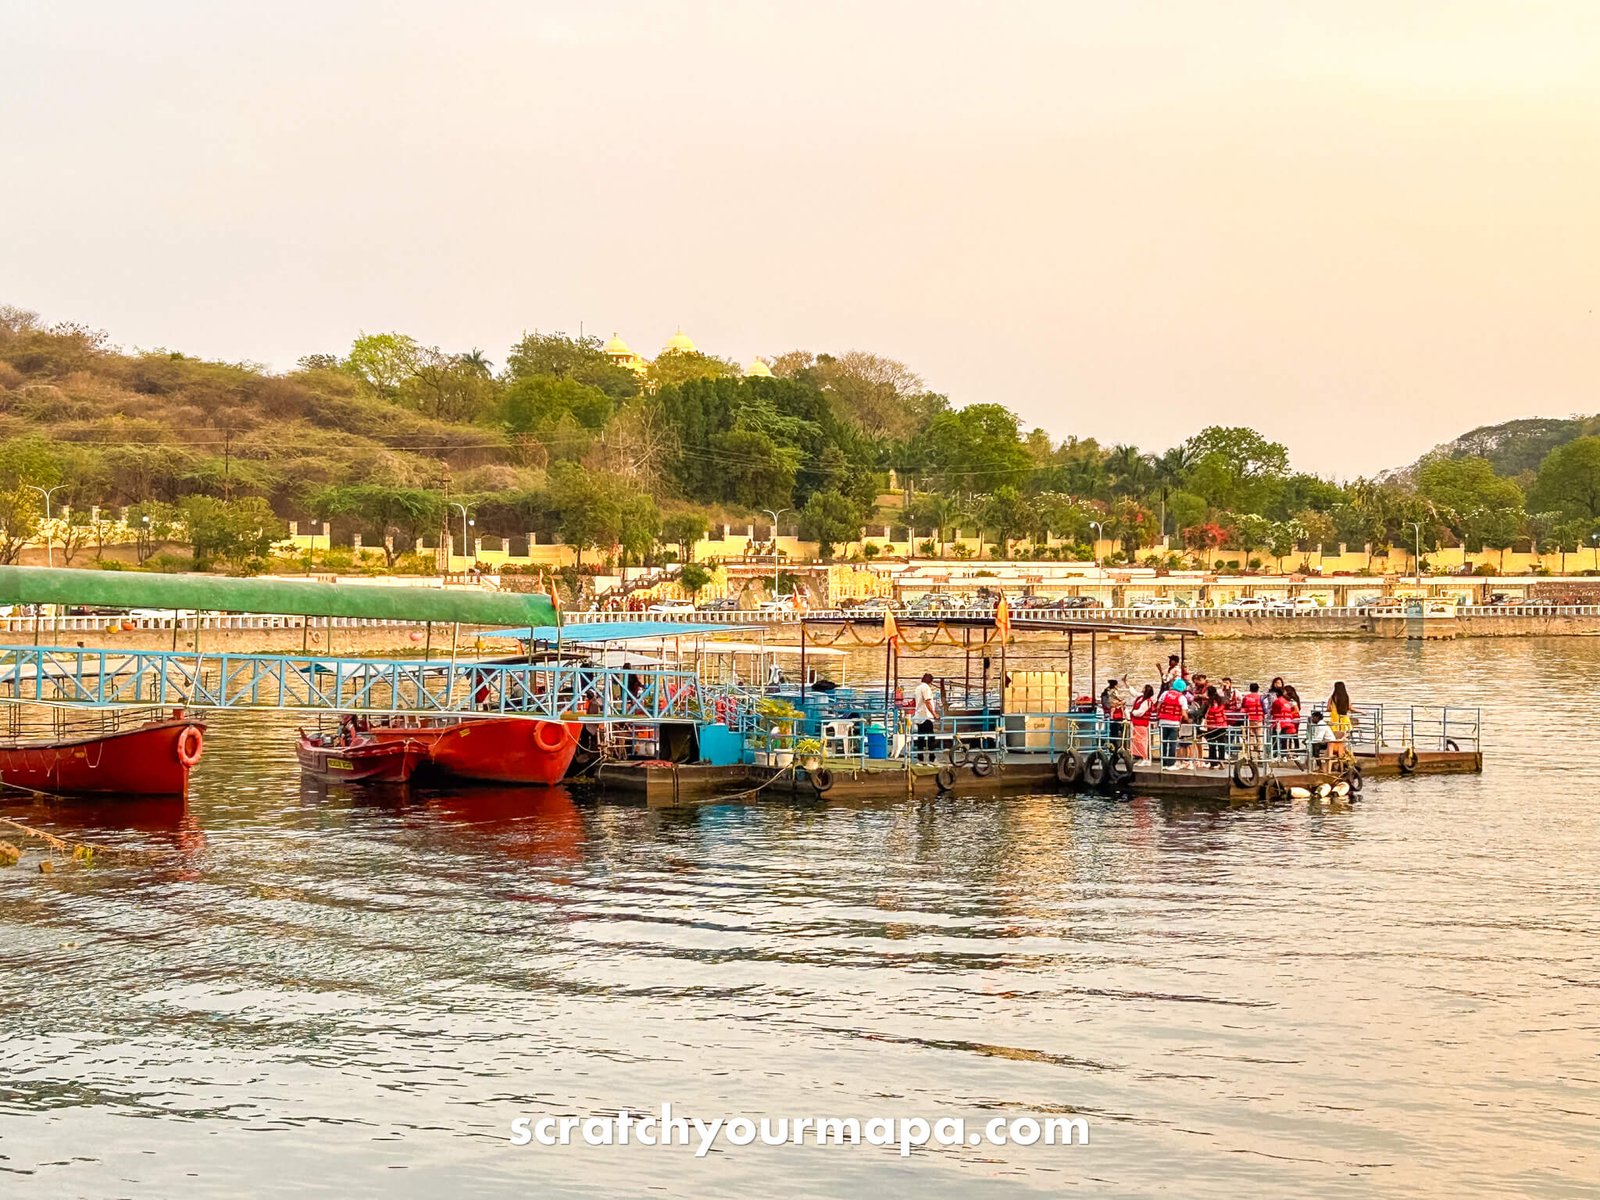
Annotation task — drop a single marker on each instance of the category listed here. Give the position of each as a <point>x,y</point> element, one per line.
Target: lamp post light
<point>49,543</point>
<point>465,522</point>
<point>774,514</point>
<point>1416,553</point>
<point>1099,532</point>
<point>1594,540</point>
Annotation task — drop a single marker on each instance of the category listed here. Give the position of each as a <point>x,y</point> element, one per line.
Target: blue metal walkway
<point>91,678</point>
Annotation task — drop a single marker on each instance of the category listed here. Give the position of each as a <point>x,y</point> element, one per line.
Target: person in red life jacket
<point>1253,708</point>
<point>1139,714</point>
<point>1285,720</point>
<point>1172,710</point>
<point>1216,728</point>
<point>1231,705</point>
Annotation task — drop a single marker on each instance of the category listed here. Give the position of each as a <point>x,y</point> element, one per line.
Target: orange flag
<point>891,630</point>
<point>1002,619</point>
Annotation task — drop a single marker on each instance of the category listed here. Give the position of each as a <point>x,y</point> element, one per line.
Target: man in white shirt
<point>924,712</point>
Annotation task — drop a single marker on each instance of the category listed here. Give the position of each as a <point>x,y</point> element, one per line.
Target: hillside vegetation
<point>632,464</point>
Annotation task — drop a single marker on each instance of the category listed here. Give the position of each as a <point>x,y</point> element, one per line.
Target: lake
<point>307,992</point>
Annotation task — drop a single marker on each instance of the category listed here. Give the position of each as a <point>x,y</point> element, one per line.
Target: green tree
<point>589,512</point>
<point>1569,479</point>
<point>397,515</point>
<point>238,532</point>
<point>581,360</point>
<point>675,367</point>
<point>383,361</point>
<point>692,577</point>
<point>153,524</point>
<point>683,529</point>
<point>976,448</point>
<point>20,513</point>
<point>536,403</point>
<point>1005,513</point>
<point>447,387</point>
<point>830,519</point>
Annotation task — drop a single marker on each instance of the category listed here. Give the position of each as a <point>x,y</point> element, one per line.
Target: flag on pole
<point>1002,620</point>
<point>891,631</point>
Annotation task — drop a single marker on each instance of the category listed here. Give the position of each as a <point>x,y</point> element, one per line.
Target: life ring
<point>1121,767</point>
<point>959,755</point>
<point>1408,760</point>
<point>945,778</point>
<point>821,779</point>
<point>190,743</point>
<point>982,765</point>
<point>1068,768</point>
<point>1452,745</point>
<point>1246,774</point>
<point>1095,771</point>
<point>549,736</point>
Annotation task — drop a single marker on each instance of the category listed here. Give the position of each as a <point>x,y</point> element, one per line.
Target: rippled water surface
<point>329,994</point>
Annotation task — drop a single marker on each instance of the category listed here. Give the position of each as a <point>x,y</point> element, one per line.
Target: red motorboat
<point>492,749</point>
<point>358,757</point>
<point>152,758</point>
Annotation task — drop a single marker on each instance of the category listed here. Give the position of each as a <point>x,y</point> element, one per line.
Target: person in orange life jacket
<point>1139,718</point>
<point>1111,707</point>
<point>1172,710</point>
<point>1253,706</point>
<point>1285,720</point>
<point>1199,702</point>
<point>1216,727</point>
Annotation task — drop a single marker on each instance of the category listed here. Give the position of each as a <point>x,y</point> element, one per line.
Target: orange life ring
<point>550,736</point>
<point>190,743</point>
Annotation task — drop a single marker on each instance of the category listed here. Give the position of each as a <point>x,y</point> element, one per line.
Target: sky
<point>1362,228</point>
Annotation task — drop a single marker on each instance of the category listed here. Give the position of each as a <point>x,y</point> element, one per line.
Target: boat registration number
<point>341,764</point>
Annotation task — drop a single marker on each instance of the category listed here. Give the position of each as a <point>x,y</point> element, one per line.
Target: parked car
<point>671,606</point>
<point>1154,604</point>
<point>1294,604</point>
<point>873,604</point>
<point>1067,603</point>
<point>777,604</point>
<point>721,604</point>
<point>1243,604</point>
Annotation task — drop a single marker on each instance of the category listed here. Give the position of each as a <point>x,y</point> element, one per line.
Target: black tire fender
<point>1246,774</point>
<point>1068,768</point>
<point>1273,791</point>
<point>821,779</point>
<point>1121,766</point>
<point>982,765</point>
<point>1095,771</point>
<point>1408,760</point>
<point>1452,745</point>
<point>959,755</point>
<point>1353,778</point>
<point>945,778</point>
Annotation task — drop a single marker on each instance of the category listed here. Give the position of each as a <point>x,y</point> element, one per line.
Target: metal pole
<point>49,542</point>
<point>774,514</point>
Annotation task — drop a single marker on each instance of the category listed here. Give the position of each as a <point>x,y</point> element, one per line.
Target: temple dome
<point>758,370</point>
<point>616,345</point>
<point>679,343</point>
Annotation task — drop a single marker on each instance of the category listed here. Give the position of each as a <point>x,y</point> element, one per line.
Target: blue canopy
<point>613,631</point>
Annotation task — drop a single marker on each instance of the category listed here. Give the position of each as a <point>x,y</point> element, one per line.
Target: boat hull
<point>372,761</point>
<point>494,749</point>
<point>147,760</point>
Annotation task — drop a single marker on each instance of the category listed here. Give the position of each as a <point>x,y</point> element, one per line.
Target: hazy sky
<point>1361,227</point>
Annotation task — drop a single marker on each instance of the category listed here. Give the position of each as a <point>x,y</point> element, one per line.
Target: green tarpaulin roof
<point>279,597</point>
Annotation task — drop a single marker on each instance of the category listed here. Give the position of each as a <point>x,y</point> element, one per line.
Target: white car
<point>777,604</point>
<point>671,606</point>
<point>1297,604</point>
<point>1153,604</point>
<point>1244,604</point>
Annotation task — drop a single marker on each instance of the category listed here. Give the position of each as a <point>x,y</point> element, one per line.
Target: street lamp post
<point>464,523</point>
<point>1594,540</point>
<point>49,543</point>
<point>1416,554</point>
<point>1099,532</point>
<point>774,514</point>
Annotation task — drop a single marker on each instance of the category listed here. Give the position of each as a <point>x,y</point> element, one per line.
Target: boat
<point>360,757</point>
<point>490,749</point>
<point>152,758</point>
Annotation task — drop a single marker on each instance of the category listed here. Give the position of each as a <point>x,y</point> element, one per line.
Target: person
<point>924,712</point>
<point>1139,718</point>
<point>1232,705</point>
<point>1253,707</point>
<point>1173,670</point>
<point>1111,706</point>
<point>1321,737</point>
<point>1172,710</point>
<point>1216,728</point>
<point>1340,722</point>
<point>774,676</point>
<point>1286,720</point>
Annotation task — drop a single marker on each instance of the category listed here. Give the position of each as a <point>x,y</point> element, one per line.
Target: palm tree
<point>477,361</point>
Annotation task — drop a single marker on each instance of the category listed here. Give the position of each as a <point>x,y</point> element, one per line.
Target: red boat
<point>149,759</point>
<point>360,759</point>
<point>492,749</point>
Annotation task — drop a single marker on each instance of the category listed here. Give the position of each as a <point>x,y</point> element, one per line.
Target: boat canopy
<point>617,631</point>
<point>275,597</point>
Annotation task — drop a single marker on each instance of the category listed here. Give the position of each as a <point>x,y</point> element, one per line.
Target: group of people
<point>1189,719</point>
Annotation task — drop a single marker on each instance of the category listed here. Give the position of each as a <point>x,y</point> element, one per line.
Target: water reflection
<point>297,987</point>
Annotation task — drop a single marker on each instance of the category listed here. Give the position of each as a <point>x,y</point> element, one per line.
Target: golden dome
<point>617,346</point>
<point>679,343</point>
<point>758,370</point>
